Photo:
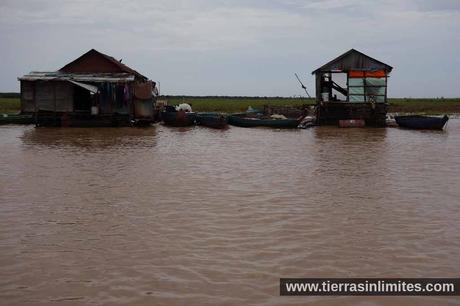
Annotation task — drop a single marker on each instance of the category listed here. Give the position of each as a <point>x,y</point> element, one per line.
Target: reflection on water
<point>200,216</point>
<point>89,138</point>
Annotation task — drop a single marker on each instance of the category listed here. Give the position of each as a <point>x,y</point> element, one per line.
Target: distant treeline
<point>18,95</point>
<point>10,103</point>
<point>10,95</point>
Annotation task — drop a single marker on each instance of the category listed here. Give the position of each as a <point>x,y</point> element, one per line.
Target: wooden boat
<point>243,120</point>
<point>16,119</point>
<point>307,122</point>
<point>390,121</point>
<point>212,120</point>
<point>141,122</point>
<point>178,118</point>
<point>422,122</point>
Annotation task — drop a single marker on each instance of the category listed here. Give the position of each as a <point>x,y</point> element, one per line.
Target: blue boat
<point>422,122</point>
<point>212,120</point>
<point>243,120</point>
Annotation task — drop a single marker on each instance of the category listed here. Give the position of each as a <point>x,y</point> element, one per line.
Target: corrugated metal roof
<point>121,67</point>
<point>59,76</point>
<point>90,88</point>
<point>353,60</point>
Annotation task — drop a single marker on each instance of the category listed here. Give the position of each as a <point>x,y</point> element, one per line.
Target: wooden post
<point>54,97</point>
<point>386,86</point>
<point>35,103</point>
<point>348,88</point>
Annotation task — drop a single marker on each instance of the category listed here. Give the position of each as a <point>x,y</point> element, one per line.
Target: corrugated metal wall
<point>143,101</point>
<point>143,108</point>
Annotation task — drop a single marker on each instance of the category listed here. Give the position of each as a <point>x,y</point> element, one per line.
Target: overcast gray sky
<point>237,47</point>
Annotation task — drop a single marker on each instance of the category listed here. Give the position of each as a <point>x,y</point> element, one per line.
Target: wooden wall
<point>27,97</point>
<point>330,113</point>
<point>54,96</point>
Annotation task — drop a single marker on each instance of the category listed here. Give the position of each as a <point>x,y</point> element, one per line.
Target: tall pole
<point>303,86</point>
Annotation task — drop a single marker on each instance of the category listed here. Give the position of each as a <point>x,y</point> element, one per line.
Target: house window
<point>367,86</point>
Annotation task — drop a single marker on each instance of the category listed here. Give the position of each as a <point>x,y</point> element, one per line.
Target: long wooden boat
<point>422,122</point>
<point>178,118</point>
<point>16,119</point>
<point>212,120</point>
<point>242,120</point>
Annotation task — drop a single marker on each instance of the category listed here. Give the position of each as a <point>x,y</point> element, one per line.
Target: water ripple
<point>197,216</point>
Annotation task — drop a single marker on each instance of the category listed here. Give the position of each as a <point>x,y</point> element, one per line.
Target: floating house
<point>352,86</point>
<point>93,90</point>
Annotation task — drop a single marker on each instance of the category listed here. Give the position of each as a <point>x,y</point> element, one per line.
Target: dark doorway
<point>82,99</point>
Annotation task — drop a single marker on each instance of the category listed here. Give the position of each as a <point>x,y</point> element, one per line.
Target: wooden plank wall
<point>53,96</point>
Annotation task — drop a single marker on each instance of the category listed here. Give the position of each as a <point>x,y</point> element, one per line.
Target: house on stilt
<point>361,95</point>
<point>93,90</point>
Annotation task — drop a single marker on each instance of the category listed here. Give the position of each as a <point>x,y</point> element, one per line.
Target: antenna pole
<point>303,86</point>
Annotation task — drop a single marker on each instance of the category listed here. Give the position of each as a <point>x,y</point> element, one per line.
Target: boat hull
<point>179,118</point>
<point>212,120</point>
<point>254,122</point>
<point>421,122</point>
<point>16,119</point>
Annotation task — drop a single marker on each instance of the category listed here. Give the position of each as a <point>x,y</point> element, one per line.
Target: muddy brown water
<point>195,216</point>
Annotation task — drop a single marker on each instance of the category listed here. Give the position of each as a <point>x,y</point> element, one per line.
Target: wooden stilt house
<point>93,90</point>
<point>362,94</point>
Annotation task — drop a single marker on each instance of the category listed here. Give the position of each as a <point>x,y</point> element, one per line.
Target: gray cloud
<point>236,47</point>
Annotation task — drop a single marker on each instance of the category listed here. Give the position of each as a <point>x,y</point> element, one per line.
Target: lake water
<point>195,216</point>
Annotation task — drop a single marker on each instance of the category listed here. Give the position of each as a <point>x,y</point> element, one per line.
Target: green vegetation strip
<point>234,104</point>
<point>10,105</point>
<point>237,104</point>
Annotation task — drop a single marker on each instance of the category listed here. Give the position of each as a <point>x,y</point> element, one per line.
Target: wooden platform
<point>81,120</point>
<point>329,113</point>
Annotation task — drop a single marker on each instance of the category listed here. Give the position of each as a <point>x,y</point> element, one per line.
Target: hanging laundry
<point>126,94</point>
<point>119,96</point>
